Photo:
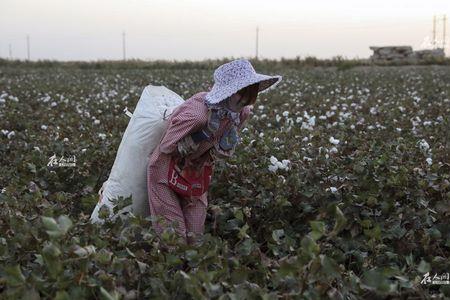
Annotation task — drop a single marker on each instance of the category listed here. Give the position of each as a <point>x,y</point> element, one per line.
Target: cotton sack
<point>144,132</point>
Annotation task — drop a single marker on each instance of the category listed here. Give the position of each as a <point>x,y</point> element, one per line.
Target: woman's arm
<point>182,125</point>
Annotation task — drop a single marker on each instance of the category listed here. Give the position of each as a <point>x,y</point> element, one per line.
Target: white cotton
<point>429,161</point>
<point>102,136</point>
<point>286,163</point>
<point>333,150</point>
<point>44,127</point>
<point>5,132</point>
<point>333,189</point>
<point>285,113</point>
<point>273,160</point>
<point>53,104</point>
<point>11,135</point>
<point>423,145</point>
<point>334,141</point>
<point>96,122</point>
<point>261,107</point>
<point>307,158</point>
<point>273,168</point>
<point>261,134</point>
<point>279,164</point>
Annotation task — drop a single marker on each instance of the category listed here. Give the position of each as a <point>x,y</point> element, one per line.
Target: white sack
<point>144,132</point>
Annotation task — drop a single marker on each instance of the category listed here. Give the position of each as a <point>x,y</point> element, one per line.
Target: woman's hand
<point>186,146</point>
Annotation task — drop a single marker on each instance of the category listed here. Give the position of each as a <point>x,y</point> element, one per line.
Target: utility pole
<point>444,32</point>
<point>257,33</point>
<point>434,32</point>
<point>123,46</point>
<point>10,51</point>
<point>28,47</point>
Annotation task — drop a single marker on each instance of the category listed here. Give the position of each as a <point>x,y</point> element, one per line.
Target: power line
<point>124,46</point>
<point>436,43</point>
<point>444,31</point>
<point>257,33</point>
<point>28,47</point>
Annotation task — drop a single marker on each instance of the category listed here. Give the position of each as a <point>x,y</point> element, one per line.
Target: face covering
<point>223,111</point>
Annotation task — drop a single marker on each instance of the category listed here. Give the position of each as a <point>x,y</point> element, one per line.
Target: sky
<point>201,29</point>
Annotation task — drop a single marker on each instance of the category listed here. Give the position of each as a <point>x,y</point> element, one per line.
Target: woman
<point>201,130</point>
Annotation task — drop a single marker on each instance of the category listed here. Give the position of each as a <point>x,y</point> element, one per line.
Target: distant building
<point>403,54</point>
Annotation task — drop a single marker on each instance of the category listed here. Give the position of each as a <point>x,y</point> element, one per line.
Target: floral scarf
<point>223,111</point>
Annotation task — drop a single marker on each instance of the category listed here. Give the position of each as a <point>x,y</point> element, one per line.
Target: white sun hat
<point>235,75</point>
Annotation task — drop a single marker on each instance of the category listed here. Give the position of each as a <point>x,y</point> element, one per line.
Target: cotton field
<point>340,188</point>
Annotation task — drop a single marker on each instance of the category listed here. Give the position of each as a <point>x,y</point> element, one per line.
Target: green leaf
<point>277,235</point>
<point>107,296</point>
<point>423,267</point>
<point>376,281</point>
<point>330,267</point>
<point>50,223</point>
<point>14,275</point>
<point>64,223</point>
<point>243,232</point>
<point>318,229</point>
<point>341,221</point>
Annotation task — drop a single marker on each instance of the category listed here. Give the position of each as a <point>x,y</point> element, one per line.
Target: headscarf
<point>223,111</point>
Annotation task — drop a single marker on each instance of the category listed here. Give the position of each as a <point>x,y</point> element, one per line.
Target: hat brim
<point>266,83</point>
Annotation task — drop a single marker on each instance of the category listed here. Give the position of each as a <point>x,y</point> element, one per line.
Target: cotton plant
<point>275,164</point>
<point>334,141</point>
<point>426,150</point>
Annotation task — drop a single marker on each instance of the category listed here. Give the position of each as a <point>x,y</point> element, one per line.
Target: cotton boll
<point>429,161</point>
<point>334,141</point>
<point>273,160</point>
<point>273,168</point>
<point>44,127</point>
<point>11,134</point>
<point>424,146</point>
<point>286,163</point>
<point>332,189</point>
